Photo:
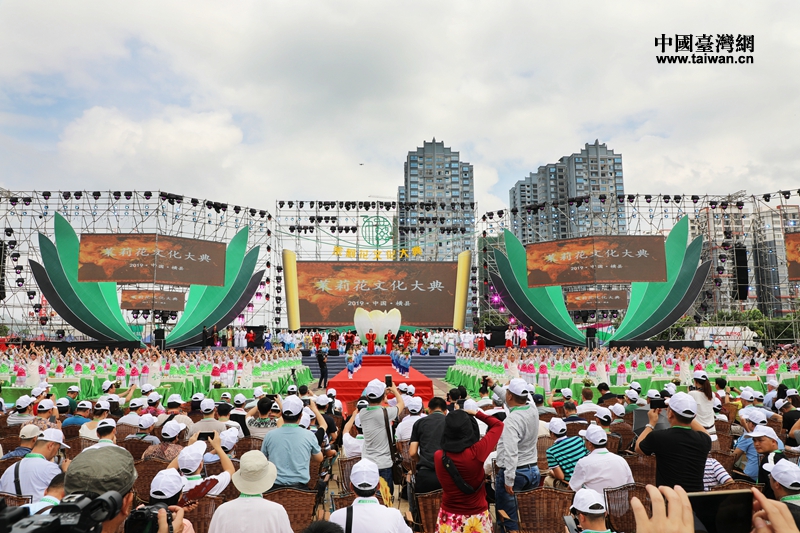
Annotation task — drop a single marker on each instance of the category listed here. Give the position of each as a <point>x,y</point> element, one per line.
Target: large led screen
<point>330,292</point>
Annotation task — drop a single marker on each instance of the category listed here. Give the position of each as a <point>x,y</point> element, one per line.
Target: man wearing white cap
<point>258,393</point>
<point>138,407</point>
<point>167,488</point>
<point>373,423</point>
<point>766,442</point>
<point>562,455</point>
<point>169,449</point>
<point>291,447</point>
<point>351,445</point>
<point>251,512</point>
<point>748,400</point>
<point>34,472</point>
<point>414,406</point>
<point>516,451</point>
<point>368,516</point>
<point>72,397</point>
<point>47,416</point>
<point>589,506</point>
<point>190,464</point>
<point>174,412</point>
<point>81,416</point>
<point>145,427</point>
<point>784,480</point>
<point>600,469</point>
<point>631,400</point>
<point>744,446</point>
<point>680,451</point>
<point>23,412</point>
<point>107,434</point>
<point>772,393</point>
<point>208,423</point>
<point>110,387</point>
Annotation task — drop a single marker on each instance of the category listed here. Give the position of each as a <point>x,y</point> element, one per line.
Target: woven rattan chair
<point>215,468</point>
<point>146,471</point>
<point>313,474</point>
<point>722,427</point>
<point>200,516</point>
<point>791,456</point>
<point>738,485</point>
<point>77,445</point>
<point>135,446</point>
<point>546,417</point>
<point>10,443</point>
<point>345,467</point>
<point>628,418</point>
<point>196,417</point>
<point>409,463</point>
<point>299,505</point>
<point>573,428</point>
<point>429,504</point>
<point>5,464</point>
<point>247,444</point>
<point>613,444</point>
<point>643,468</point>
<point>542,510</point>
<point>620,514</point>
<point>12,500</point>
<point>588,416</point>
<point>725,458</point>
<point>723,443</point>
<point>7,431</point>
<point>625,431</point>
<point>344,499</point>
<point>542,444</point>
<point>775,424</point>
<point>71,432</point>
<point>123,430</point>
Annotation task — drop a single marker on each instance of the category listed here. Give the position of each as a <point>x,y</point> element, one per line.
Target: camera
<point>77,513</point>
<point>145,520</point>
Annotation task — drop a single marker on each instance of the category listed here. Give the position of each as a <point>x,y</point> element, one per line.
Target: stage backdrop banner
<point>591,260</point>
<point>330,292</point>
<point>151,300</point>
<point>792,241</point>
<point>151,258</point>
<point>593,300</point>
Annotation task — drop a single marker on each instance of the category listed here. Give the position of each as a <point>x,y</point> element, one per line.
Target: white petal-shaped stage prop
<point>379,322</point>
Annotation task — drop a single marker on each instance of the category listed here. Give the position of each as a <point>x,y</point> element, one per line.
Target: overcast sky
<point>251,102</point>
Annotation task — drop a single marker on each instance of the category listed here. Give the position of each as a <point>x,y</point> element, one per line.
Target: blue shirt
<point>751,468</point>
<point>290,448</point>
<point>19,452</point>
<point>75,420</point>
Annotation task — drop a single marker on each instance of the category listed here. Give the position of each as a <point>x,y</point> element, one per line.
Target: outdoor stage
<point>376,367</point>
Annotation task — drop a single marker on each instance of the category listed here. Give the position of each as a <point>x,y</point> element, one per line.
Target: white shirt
<point>132,419</point>
<point>250,515</point>
<point>47,501</point>
<point>189,482</point>
<point>35,474</point>
<point>101,444</point>
<point>600,470</point>
<point>403,431</point>
<point>367,514</point>
<point>586,407</point>
<point>352,445</point>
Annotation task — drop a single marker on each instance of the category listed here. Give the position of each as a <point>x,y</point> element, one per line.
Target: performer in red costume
<point>523,337</point>
<point>406,340</point>
<point>420,335</point>
<point>389,338</point>
<point>481,342</point>
<point>333,339</point>
<point>317,340</point>
<point>349,338</point>
<point>371,342</point>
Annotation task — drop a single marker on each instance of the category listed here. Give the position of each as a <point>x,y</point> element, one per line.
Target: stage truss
<point>727,222</point>
<point>25,214</point>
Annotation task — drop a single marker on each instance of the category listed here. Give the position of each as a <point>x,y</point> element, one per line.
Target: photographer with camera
<point>32,475</point>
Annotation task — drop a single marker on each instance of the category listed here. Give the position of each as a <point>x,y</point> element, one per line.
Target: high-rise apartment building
<point>437,203</point>
<point>570,198</point>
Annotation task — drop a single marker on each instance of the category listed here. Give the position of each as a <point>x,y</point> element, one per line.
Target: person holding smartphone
<point>377,447</point>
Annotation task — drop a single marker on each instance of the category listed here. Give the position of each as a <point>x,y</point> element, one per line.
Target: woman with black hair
<point>459,468</point>
<point>705,401</point>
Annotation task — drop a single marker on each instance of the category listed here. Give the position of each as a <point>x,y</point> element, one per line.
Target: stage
<point>376,367</point>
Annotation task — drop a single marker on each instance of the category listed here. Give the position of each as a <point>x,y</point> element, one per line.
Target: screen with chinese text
<point>151,258</point>
<point>330,292</point>
<point>591,260</point>
<point>152,300</point>
<point>594,300</point>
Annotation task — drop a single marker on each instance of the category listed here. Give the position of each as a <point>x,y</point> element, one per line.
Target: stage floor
<point>376,367</point>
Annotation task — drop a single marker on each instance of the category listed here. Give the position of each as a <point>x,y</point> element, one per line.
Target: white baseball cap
<point>361,404</point>
<point>291,388</point>
<point>780,402</point>
<point>358,421</point>
<point>375,389</point>
<point>258,392</point>
<point>45,385</point>
<point>403,387</point>
<point>37,391</point>
<point>225,396</point>
<point>154,397</point>
<point>239,399</point>
<point>53,435</point>
<point>62,402</point>
<point>146,421</point>
<point>331,392</point>
<point>791,392</point>
<point>484,402</point>
<point>322,400</point>
<point>415,405</point>
<point>632,395</point>
<point>747,396</point>
<point>588,501</point>
<point>411,390</point>
<point>199,397</point>
<point>364,475</point>
<point>292,406</point>
<point>137,403</point>
<point>229,438</point>
<point>174,398</point>
<point>24,401</point>
<point>305,421</point>
<point>147,388</point>
<point>634,385</point>
<point>519,387</point>
<point>166,484</point>
<point>617,409</point>
<point>653,394</point>
<point>107,423</point>
<point>469,404</point>
<point>786,473</point>
<point>557,426</point>
<point>107,385</point>
<point>84,404</point>
<point>773,383</point>
<point>763,431</point>
<point>683,404</point>
<point>594,434</point>
<point>566,393</point>
<point>603,414</point>
<point>172,428</point>
<point>101,405</point>
<point>207,406</point>
<point>191,457</point>
<point>671,388</point>
<point>717,404</point>
<point>275,407</point>
<point>46,405</point>
<point>73,388</point>
<point>756,416</point>
<point>699,375</point>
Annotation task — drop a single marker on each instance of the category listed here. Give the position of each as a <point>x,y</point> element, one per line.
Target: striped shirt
<point>714,474</point>
<point>565,453</point>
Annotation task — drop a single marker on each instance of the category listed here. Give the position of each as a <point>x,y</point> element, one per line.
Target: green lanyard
<point>32,455</point>
<point>373,500</point>
<point>373,408</point>
<point>49,499</point>
<point>682,427</point>
<point>106,440</point>
<point>243,495</point>
<point>193,478</point>
<point>791,498</point>
<point>291,425</point>
<point>520,408</point>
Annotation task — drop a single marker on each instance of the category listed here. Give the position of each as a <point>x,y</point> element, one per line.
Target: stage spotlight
<point>163,196</point>
<point>499,214</point>
<point>43,320</point>
<point>631,198</point>
<point>740,204</point>
<point>728,234</point>
<point>236,209</point>
<point>145,314</point>
<point>666,198</point>
<point>278,289</point>
<point>66,195</point>
<point>614,314</point>
<point>723,205</point>
<point>117,195</point>
<point>677,198</point>
<point>173,315</point>
<point>9,231</point>
<point>279,268</point>
<point>278,299</point>
<point>695,198</point>
<point>291,229</point>
<point>262,213</point>
<point>290,204</point>
<point>620,198</point>
<point>723,257</point>
<point>46,195</point>
<point>15,256</point>
<point>253,212</point>
<point>786,194</point>
<point>128,195</point>
<point>209,204</point>
<point>11,244</point>
<point>27,200</point>
<point>602,198</point>
<point>708,294</point>
<point>280,203</point>
<point>135,314</point>
<point>726,245</point>
<point>148,195</point>
<point>13,200</point>
<point>698,319</point>
<point>648,198</point>
<point>223,207</point>
<point>20,282</point>
<point>78,195</point>
<point>18,269</point>
<point>720,270</point>
<point>713,204</point>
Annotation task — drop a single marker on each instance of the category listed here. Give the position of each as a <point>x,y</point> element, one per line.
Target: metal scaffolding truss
<point>733,227</point>
<point>25,214</point>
